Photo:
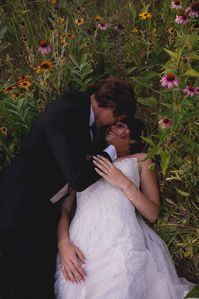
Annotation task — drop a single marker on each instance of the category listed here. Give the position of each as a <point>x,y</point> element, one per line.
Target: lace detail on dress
<point>106,228</point>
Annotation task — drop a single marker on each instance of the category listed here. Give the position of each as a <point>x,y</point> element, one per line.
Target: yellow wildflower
<point>16,95</point>
<point>79,22</point>
<point>70,35</point>
<point>24,83</point>
<point>44,67</point>
<point>52,2</point>
<point>3,131</point>
<point>9,89</point>
<point>98,18</point>
<point>134,29</point>
<point>170,30</point>
<point>61,20</point>
<point>145,15</point>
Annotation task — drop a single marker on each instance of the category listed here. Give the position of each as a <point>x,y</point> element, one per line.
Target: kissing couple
<point>113,253</point>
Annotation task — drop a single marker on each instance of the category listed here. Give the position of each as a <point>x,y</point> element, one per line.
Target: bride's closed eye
<point>120,125</point>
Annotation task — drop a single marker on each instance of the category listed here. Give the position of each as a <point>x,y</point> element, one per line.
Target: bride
<point>108,251</point>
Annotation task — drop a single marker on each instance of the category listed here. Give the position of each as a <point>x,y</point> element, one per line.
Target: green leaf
<point>3,32</point>
<point>183,193</point>
<point>192,73</point>
<point>194,293</point>
<point>148,140</point>
<point>151,102</point>
<point>151,75</point>
<point>193,56</point>
<point>20,104</point>
<point>172,54</point>
<point>83,59</point>
<point>75,62</point>
<point>165,159</point>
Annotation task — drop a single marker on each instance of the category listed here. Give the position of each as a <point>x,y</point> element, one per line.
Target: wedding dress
<point>126,259</point>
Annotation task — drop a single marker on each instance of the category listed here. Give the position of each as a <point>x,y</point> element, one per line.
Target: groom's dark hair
<point>115,93</point>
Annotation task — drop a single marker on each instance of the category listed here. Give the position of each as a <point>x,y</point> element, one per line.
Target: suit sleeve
<point>64,138</point>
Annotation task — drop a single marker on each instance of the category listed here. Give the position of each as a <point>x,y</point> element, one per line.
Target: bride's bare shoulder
<point>139,156</point>
<point>143,159</point>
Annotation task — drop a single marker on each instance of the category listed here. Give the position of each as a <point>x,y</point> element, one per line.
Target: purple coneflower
<point>181,19</point>
<point>165,122</point>
<point>176,4</point>
<point>193,10</point>
<point>44,47</point>
<point>190,90</point>
<point>169,80</point>
<point>102,26</point>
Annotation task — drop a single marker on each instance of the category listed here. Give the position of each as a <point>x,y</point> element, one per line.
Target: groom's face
<point>106,118</point>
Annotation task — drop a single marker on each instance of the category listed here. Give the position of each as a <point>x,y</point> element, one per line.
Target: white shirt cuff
<point>111,151</point>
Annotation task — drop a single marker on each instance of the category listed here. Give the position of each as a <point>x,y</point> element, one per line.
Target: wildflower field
<point>49,46</point>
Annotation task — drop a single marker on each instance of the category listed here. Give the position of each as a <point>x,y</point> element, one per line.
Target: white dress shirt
<point>111,151</point>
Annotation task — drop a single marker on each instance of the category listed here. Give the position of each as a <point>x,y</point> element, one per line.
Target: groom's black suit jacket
<point>53,153</point>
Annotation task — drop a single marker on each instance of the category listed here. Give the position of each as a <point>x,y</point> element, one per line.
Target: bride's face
<point>119,129</point>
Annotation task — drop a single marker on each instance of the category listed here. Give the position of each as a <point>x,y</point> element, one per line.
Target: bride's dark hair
<point>137,130</point>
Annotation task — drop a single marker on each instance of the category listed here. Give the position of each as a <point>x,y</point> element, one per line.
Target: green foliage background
<point>140,51</point>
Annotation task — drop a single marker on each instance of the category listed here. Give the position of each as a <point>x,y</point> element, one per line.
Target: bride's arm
<point>145,200</point>
<point>70,255</point>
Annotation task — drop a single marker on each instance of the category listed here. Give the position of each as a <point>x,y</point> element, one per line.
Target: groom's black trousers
<point>29,253</point>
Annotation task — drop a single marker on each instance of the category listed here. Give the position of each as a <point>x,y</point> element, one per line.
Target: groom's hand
<point>122,146</point>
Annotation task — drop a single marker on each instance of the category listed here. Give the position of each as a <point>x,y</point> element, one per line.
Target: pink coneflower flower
<point>176,4</point>
<point>102,26</point>
<point>193,10</point>
<point>181,19</point>
<point>191,91</point>
<point>165,122</point>
<point>169,80</point>
<point>44,48</point>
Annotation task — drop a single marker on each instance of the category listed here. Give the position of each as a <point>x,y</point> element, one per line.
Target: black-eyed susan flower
<point>44,47</point>
<point>169,80</point>
<point>24,83</point>
<point>62,39</point>
<point>193,10</point>
<point>170,30</point>
<point>53,2</point>
<point>43,83</point>
<point>145,15</point>
<point>98,18</point>
<point>70,35</point>
<point>44,67</point>
<point>9,89</point>
<point>134,30</point>
<point>3,131</point>
<point>16,95</point>
<point>79,22</point>
<point>61,20</point>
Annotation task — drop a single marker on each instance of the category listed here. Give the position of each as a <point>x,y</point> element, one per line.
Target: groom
<point>53,153</point>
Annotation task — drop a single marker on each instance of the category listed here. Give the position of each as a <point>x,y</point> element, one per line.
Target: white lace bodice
<point>104,213</point>
<point>125,258</point>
